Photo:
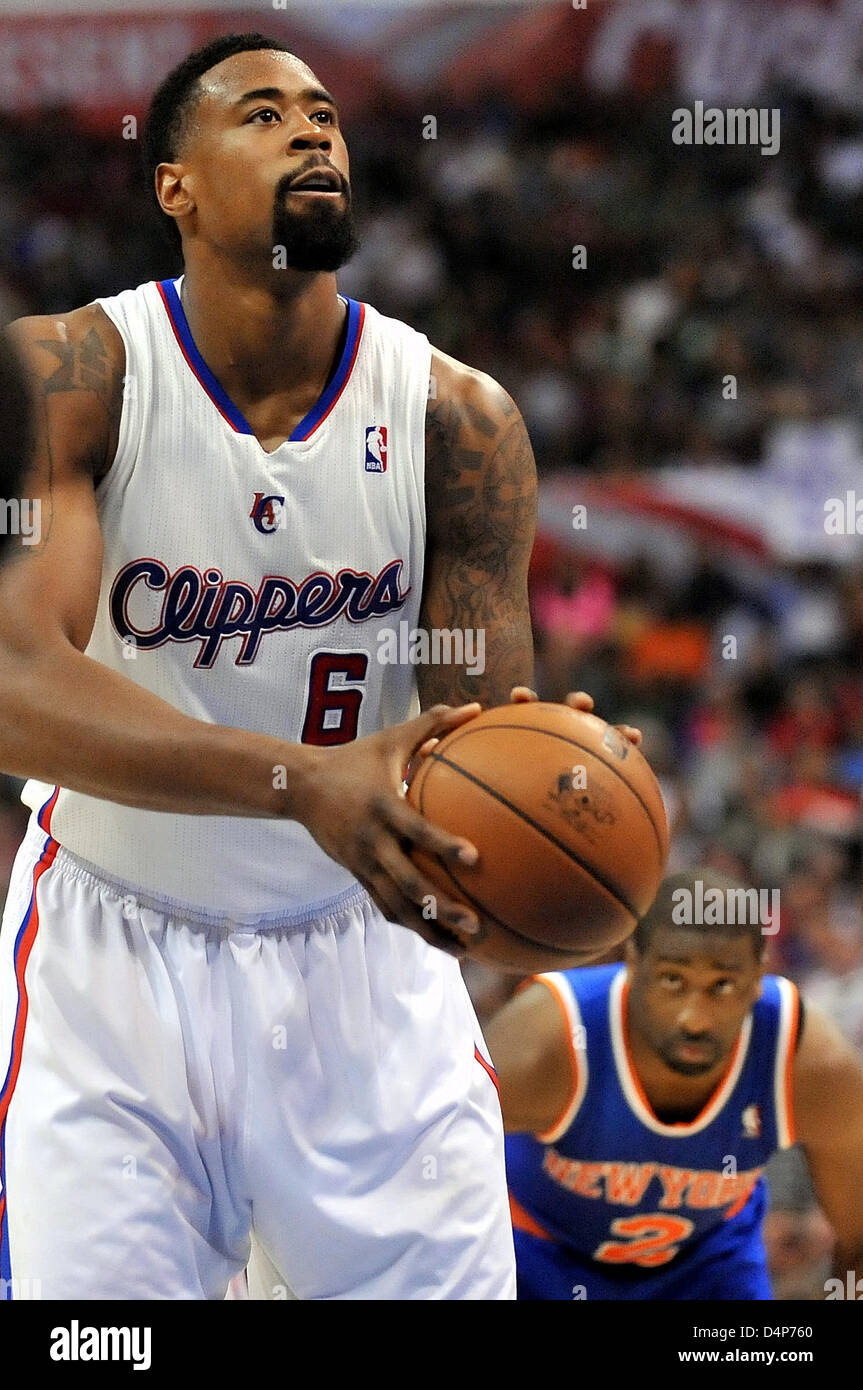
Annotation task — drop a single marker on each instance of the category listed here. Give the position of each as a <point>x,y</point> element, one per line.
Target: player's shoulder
<point>86,334</point>
<point>589,984</point>
<point>475,439</point>
<point>76,360</point>
<point>778,998</point>
<point>456,383</point>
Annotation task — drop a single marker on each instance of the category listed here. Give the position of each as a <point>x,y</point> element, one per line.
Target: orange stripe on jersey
<point>747,1189</point>
<point>523,1221</point>
<point>573,1058</point>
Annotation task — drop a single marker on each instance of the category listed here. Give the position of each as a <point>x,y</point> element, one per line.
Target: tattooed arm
<point>75,366</point>
<point>481,513</point>
<point>65,718</point>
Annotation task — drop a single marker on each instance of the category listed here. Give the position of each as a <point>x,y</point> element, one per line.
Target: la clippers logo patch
<point>376,449</point>
<point>267,513</point>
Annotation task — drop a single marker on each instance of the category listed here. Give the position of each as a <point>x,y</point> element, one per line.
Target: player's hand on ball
<point>521,694</point>
<point>356,814</point>
<point>576,699</point>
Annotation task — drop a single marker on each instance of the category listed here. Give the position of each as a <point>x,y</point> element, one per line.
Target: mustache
<point>286,180</point>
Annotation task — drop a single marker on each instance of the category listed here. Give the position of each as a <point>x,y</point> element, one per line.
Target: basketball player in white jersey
<point>221,1005</point>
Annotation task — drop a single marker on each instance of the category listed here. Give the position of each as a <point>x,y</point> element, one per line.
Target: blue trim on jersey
<point>219,395</point>
<point>5,1261</point>
<point>5,1255</point>
<point>310,422</point>
<point>42,809</point>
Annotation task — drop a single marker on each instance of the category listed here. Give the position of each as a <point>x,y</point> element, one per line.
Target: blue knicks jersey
<point>620,1189</point>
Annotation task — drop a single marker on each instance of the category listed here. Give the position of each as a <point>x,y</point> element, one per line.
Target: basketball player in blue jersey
<point>212,1016</point>
<point>643,1100</point>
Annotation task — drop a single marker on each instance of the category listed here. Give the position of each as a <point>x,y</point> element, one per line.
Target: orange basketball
<point>570,827</point>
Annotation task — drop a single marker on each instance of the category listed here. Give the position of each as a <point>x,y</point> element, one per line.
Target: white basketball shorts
<point>172,1084</point>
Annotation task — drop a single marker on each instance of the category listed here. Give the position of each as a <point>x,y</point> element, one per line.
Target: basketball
<point>569,823</point>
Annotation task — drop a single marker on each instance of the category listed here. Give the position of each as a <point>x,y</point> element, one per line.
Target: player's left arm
<point>481,496</point>
<point>827,1097</point>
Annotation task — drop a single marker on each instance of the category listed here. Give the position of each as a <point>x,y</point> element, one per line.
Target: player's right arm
<point>827,1102</point>
<point>66,719</point>
<point>530,1046</point>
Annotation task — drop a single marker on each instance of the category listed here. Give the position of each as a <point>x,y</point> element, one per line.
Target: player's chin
<point>691,1068</point>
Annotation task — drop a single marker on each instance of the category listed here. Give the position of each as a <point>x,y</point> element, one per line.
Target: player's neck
<point>262,340</point>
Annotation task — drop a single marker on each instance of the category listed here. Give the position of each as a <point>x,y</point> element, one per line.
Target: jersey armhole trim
<point>562,991</point>
<point>129,402</point>
<point>786,1046</point>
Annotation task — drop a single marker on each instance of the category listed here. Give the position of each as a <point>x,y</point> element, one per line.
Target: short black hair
<point>666,909</point>
<point>173,105</point>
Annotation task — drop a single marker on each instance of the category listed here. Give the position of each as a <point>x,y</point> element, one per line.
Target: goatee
<point>323,237</point>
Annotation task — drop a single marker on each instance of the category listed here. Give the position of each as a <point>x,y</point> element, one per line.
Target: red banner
<point>106,66</point>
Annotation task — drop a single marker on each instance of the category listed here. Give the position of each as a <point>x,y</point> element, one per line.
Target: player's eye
<point>328,114</point>
<point>724,987</point>
<point>670,981</point>
<point>264,111</point>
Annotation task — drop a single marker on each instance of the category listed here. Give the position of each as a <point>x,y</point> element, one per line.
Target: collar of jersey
<point>170,294</point>
<point>630,1082</point>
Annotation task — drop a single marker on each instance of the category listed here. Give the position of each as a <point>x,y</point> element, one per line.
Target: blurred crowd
<point>697,262</point>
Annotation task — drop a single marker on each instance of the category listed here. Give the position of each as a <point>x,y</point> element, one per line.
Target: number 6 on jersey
<point>333,707</point>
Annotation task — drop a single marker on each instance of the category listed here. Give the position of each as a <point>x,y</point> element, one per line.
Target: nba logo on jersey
<point>376,449</point>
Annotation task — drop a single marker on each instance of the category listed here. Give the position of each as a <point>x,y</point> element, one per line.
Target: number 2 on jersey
<point>655,1239</point>
<point>341,702</point>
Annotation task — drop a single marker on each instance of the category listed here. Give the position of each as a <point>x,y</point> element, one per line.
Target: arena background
<point>692,379</point>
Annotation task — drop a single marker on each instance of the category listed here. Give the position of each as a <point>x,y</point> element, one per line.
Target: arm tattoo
<point>481,508</point>
<point>79,363</point>
<point>86,365</point>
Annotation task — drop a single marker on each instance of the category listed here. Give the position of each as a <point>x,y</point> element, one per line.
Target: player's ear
<point>173,190</point>
<point>630,956</point>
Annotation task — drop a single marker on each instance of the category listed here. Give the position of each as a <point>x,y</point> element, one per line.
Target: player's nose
<point>306,134</point>
<point>694,1018</point>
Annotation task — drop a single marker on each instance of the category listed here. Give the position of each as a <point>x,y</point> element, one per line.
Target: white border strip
<point>559,985</point>
<point>784,1118</point>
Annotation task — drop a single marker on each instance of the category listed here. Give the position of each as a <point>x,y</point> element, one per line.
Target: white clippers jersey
<point>249,588</point>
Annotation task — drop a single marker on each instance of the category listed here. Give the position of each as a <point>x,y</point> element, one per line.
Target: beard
<point>322,237</point>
